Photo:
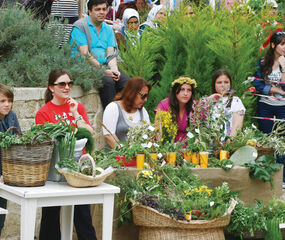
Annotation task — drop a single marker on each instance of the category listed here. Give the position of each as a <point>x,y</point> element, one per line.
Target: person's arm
<point>238,110</point>
<point>113,72</point>
<point>237,122</point>
<point>110,119</point>
<point>81,42</point>
<point>81,119</point>
<point>84,52</point>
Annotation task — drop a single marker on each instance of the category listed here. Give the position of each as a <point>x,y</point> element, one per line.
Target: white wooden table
<point>60,194</point>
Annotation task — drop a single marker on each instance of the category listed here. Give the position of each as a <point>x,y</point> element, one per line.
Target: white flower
<point>197,130</point>
<point>144,136</point>
<point>163,163</point>
<point>149,145</point>
<point>253,126</point>
<point>151,128</point>
<point>156,145</point>
<point>190,135</point>
<point>159,155</point>
<point>144,145</point>
<point>212,204</point>
<point>135,192</point>
<point>229,166</point>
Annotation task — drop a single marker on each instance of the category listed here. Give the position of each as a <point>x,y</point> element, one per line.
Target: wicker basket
<point>157,226</point>
<point>27,165</point>
<point>265,151</point>
<point>76,179</point>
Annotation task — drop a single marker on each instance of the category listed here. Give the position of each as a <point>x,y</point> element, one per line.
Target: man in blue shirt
<point>96,40</point>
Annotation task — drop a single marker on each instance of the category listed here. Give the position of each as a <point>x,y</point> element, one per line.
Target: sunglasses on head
<point>63,84</point>
<point>143,95</point>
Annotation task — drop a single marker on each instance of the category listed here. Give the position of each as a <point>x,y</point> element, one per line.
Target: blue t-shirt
<point>100,43</point>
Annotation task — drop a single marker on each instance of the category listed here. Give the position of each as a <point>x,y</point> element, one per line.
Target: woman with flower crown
<point>179,103</point>
<point>223,99</point>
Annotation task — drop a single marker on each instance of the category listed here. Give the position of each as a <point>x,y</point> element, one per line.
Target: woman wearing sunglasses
<point>59,105</point>
<point>126,111</point>
<point>179,103</point>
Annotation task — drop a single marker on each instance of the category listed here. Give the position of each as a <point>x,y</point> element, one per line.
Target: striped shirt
<point>65,8</point>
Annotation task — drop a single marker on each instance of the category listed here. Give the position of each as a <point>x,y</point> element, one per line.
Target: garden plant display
<point>175,192</point>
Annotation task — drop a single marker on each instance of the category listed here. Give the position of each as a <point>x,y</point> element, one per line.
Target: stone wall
<point>26,103</point>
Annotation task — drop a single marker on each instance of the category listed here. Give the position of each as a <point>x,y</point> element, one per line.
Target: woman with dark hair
<point>126,110</point>
<point>59,105</point>
<point>227,103</point>
<point>179,103</point>
<point>269,81</point>
<point>270,73</point>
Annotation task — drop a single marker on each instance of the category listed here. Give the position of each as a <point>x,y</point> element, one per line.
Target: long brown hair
<point>268,61</point>
<point>53,76</point>
<point>130,91</point>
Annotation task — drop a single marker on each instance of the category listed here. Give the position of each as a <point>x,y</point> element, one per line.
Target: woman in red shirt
<point>59,105</point>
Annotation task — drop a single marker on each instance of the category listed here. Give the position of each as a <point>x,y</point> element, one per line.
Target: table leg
<point>28,218</point>
<point>108,209</point>
<point>67,222</point>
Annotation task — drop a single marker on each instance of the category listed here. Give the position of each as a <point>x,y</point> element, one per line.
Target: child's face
<point>5,105</point>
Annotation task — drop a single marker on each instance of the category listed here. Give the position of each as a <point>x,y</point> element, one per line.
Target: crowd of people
<point>123,97</point>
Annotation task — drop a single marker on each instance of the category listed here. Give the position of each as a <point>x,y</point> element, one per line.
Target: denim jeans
<point>266,110</point>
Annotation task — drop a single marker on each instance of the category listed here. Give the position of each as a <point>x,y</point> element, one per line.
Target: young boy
<point>7,119</point>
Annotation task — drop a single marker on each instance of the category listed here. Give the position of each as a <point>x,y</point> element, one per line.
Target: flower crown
<point>184,80</point>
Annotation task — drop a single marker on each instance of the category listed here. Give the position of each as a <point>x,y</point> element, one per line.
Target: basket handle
<point>34,140</point>
<point>16,130</point>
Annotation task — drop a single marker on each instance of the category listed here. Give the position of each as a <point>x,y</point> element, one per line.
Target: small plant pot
<point>187,156</point>
<point>171,158</point>
<point>224,155</point>
<point>125,163</point>
<point>204,159</point>
<point>153,156</point>
<point>195,158</point>
<point>140,161</point>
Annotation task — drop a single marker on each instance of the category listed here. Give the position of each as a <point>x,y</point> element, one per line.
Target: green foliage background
<point>28,53</point>
<point>197,47</point>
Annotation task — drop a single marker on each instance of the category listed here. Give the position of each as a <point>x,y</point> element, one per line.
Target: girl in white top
<point>126,111</point>
<point>224,101</point>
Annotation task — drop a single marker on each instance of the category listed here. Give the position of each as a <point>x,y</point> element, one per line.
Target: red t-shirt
<point>52,113</point>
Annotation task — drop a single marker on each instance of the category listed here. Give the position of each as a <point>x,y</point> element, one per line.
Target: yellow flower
<point>183,80</point>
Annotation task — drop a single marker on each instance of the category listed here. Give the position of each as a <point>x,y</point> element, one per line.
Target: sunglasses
<point>143,95</point>
<point>63,84</point>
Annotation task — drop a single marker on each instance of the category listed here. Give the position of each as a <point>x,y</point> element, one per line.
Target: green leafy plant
<point>28,53</point>
<point>263,168</point>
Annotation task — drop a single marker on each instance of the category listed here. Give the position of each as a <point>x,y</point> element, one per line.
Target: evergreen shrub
<point>28,53</point>
<point>198,46</point>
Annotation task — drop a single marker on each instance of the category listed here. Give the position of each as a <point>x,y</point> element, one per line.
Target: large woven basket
<point>27,165</point>
<point>265,151</point>
<point>76,179</point>
<point>158,226</point>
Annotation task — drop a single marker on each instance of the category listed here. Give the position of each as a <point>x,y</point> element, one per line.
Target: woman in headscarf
<point>156,15</point>
<point>130,30</point>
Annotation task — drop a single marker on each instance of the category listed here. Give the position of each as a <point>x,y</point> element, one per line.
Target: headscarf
<point>132,37</point>
<point>152,13</point>
<point>129,13</point>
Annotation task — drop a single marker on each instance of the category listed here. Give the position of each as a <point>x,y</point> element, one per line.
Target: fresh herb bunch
<point>225,164</point>
<point>254,218</point>
<point>54,130</point>
<point>263,168</point>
